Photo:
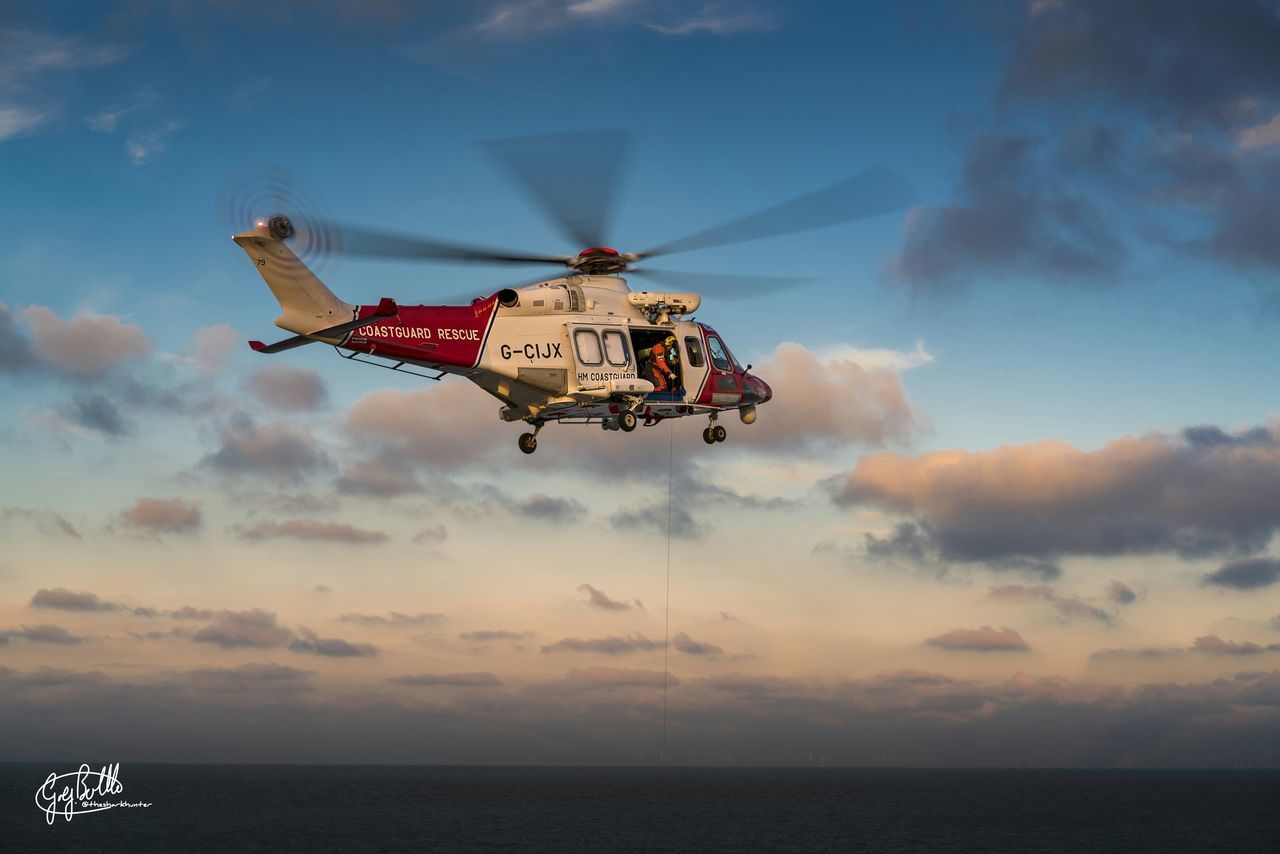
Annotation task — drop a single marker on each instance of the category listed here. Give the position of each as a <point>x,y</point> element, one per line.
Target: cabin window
<point>615,348</point>
<point>718,356</point>
<point>694,348</point>
<point>587,344</point>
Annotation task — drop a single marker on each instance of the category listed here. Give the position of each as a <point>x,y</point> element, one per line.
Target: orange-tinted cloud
<point>163,516</point>
<point>88,345</point>
<point>823,402</point>
<point>984,639</point>
<point>1200,493</point>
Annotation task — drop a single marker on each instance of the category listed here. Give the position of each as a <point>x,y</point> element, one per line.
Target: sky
<point>1014,502</point>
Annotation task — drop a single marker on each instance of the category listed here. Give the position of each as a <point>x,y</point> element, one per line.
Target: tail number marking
<point>532,352</point>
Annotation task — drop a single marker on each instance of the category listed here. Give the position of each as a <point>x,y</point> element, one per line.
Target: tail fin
<point>306,303</point>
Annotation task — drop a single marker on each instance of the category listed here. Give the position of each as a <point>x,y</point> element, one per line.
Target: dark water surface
<point>414,808</point>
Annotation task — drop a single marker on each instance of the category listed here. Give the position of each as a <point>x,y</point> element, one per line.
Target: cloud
<point>211,346</point>
<point>878,358</point>
<point>254,628</point>
<point>277,450</point>
<point>613,645</point>
<point>45,521</point>
<point>45,633</point>
<point>598,599</point>
<point>1120,593</point>
<point>486,635</point>
<point>88,345</point>
<point>108,119</point>
<point>1214,645</point>
<point>618,677</point>
<point>143,145</point>
<point>654,518</point>
<point>720,19</point>
<point>1260,135</point>
<point>283,388</point>
<point>984,639</point>
<point>380,476</point>
<point>687,645</point>
<point>446,427</point>
<point>820,403</point>
<point>312,529</point>
<point>915,545</point>
<point>453,680</point>
<point>1246,574</point>
<point>312,644</point>
<point>1068,607</point>
<point>394,618</point>
<point>16,121</point>
<point>1040,501</point>
<point>16,355</point>
<point>908,542</point>
<point>96,412</point>
<point>62,599</point>
<point>163,516</point>
<point>432,534</point>
<point>1181,161</point>
<point>186,612</point>
<point>549,508</point>
<point>531,19</point>
<point>1010,219</point>
<point>1193,69</point>
<point>27,59</point>
<point>250,679</point>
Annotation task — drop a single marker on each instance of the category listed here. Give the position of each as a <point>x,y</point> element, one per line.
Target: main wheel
<point>626,421</point>
<point>720,433</point>
<point>709,436</point>
<point>528,442</point>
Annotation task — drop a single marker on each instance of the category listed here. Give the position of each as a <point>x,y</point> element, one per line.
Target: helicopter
<point>579,348</point>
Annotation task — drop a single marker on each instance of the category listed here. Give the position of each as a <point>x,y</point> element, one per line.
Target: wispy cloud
<point>27,59</point>
<point>108,120</point>
<point>144,145</point>
<point>720,19</point>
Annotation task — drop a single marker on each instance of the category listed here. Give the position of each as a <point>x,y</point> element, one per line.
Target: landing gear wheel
<point>626,421</point>
<point>528,443</point>
<point>709,435</point>
<point>719,434</point>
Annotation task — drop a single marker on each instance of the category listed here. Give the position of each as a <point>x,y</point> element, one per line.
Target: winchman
<point>663,360</point>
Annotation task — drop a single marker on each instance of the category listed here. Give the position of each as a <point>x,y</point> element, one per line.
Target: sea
<point>307,808</point>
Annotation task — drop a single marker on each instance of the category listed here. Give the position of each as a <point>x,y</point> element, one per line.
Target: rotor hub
<point>599,261</point>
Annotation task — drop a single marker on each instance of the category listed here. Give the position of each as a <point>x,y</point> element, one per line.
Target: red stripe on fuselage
<point>436,334</point>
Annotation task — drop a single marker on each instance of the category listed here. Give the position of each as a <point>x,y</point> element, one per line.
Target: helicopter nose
<point>759,389</point>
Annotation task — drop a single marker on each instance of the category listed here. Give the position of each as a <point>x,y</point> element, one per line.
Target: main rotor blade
<point>876,191</point>
<point>722,285</point>
<point>357,240</point>
<point>573,176</point>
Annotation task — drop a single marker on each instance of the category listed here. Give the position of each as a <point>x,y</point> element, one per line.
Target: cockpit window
<point>694,348</point>
<point>718,356</point>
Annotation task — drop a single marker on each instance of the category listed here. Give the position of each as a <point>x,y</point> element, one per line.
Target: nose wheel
<point>528,442</point>
<point>714,433</point>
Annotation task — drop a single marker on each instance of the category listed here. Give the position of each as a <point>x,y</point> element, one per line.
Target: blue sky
<point>1083,277</point>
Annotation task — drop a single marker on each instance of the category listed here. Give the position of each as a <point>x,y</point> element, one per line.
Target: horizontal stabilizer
<point>386,308</point>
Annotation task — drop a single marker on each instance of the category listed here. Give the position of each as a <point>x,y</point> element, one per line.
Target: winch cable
<point>666,627</point>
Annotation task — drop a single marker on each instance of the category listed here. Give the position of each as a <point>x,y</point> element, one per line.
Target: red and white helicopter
<point>570,349</point>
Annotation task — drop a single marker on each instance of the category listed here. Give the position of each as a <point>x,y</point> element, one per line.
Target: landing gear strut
<point>714,433</point>
<point>528,442</point>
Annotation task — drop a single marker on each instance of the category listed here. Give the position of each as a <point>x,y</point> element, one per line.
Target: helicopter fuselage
<point>569,349</point>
